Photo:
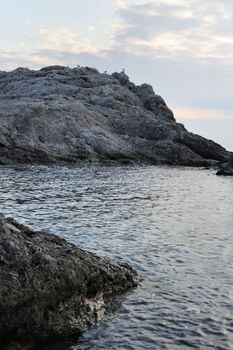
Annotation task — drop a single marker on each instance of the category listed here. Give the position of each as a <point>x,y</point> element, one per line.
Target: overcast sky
<point>184,48</point>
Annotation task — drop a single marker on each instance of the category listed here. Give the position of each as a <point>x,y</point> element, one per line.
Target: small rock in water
<point>226,168</point>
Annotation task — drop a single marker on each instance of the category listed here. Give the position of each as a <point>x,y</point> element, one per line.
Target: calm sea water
<point>174,225</point>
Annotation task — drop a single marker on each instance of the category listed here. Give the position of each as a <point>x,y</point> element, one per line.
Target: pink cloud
<point>201,114</point>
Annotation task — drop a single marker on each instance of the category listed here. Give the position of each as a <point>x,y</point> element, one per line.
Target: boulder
<point>226,168</point>
<point>50,288</point>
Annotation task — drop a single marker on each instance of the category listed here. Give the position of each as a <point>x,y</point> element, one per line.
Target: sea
<point>174,225</point>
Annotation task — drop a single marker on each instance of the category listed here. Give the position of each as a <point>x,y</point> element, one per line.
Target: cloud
<point>202,114</point>
<point>167,29</point>
<point>57,45</point>
<point>178,29</point>
<point>63,39</point>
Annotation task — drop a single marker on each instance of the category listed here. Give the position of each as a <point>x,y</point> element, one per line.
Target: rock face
<point>61,114</point>
<point>226,168</point>
<point>50,288</point>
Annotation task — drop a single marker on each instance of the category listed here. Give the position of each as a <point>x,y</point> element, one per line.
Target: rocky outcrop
<point>50,288</point>
<point>61,114</point>
<point>226,168</point>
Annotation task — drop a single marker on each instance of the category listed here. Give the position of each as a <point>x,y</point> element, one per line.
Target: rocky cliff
<point>50,288</point>
<point>61,114</point>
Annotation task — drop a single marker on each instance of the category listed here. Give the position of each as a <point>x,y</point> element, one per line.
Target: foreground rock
<point>226,168</point>
<point>50,288</point>
<point>59,114</point>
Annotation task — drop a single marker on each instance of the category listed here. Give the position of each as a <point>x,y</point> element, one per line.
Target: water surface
<point>174,225</point>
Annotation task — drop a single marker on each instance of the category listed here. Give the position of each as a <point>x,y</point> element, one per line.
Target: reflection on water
<point>173,225</point>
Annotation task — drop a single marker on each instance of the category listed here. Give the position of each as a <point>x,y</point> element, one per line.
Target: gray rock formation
<point>226,168</point>
<point>61,114</point>
<point>50,288</point>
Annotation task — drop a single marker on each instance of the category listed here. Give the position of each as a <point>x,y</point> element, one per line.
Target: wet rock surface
<point>50,288</point>
<point>226,168</point>
<point>59,114</point>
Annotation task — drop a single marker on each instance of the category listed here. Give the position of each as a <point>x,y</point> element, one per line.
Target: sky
<point>183,48</point>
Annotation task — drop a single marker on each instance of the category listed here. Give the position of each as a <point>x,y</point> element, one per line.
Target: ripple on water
<point>173,225</point>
